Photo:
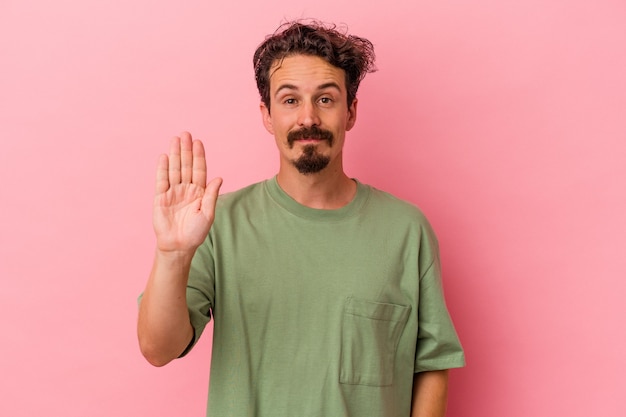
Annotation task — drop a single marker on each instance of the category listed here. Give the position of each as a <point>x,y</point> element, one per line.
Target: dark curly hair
<point>350,53</point>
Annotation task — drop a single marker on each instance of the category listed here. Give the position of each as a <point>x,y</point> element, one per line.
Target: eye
<point>326,100</point>
<point>289,101</point>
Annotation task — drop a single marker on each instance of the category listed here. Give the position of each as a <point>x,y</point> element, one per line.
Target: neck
<point>328,189</point>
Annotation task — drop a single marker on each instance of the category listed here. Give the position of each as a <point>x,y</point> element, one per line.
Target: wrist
<point>174,257</point>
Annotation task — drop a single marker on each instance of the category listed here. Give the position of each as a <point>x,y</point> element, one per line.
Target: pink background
<point>504,121</point>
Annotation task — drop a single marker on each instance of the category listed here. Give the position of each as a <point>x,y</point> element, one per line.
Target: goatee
<point>311,162</point>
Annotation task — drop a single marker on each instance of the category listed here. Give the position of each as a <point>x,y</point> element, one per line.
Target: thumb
<point>209,199</point>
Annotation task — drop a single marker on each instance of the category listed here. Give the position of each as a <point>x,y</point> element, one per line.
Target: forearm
<point>163,326</point>
<point>430,394</point>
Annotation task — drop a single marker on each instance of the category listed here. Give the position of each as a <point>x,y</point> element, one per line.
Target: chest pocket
<point>369,339</point>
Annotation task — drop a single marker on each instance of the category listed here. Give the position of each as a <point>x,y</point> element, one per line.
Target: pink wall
<point>505,121</point>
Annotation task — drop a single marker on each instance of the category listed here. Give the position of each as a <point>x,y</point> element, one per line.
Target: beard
<point>311,161</point>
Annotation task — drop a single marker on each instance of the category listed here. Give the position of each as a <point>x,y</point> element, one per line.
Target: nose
<point>308,115</point>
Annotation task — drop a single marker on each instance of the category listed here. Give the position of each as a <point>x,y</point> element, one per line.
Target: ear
<point>267,118</point>
<point>351,115</point>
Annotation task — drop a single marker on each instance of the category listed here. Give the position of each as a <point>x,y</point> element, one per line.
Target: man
<point>325,292</point>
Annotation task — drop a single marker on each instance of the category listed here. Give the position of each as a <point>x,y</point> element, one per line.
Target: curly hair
<point>350,53</point>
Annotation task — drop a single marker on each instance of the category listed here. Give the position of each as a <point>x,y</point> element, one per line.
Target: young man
<point>325,292</point>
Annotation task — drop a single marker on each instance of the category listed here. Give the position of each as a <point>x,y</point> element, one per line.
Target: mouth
<point>309,140</point>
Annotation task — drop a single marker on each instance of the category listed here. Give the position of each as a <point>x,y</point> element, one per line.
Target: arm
<point>430,393</point>
<point>184,208</point>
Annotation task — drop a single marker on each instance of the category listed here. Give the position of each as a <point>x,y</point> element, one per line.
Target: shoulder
<point>399,216</point>
<point>404,222</point>
<point>243,205</point>
<point>393,206</point>
<point>249,193</point>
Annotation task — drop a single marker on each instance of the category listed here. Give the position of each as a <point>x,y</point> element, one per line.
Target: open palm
<point>184,204</point>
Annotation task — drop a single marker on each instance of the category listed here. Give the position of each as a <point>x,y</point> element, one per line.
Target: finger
<point>174,162</point>
<point>162,181</point>
<point>199,164</point>
<point>185,157</point>
<point>210,197</point>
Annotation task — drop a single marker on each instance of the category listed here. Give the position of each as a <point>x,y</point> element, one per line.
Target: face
<point>309,114</point>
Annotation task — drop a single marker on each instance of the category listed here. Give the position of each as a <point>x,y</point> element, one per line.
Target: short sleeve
<point>438,346</point>
<point>200,290</point>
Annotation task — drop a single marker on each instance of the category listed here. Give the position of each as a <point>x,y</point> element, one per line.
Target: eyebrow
<point>324,86</point>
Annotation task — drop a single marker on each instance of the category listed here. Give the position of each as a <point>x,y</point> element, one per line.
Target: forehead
<point>305,71</point>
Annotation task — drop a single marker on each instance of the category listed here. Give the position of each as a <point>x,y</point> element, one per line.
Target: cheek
<point>280,122</point>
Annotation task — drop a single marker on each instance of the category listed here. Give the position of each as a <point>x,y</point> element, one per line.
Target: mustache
<point>312,132</point>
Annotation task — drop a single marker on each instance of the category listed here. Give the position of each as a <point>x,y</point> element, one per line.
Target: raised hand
<point>184,204</point>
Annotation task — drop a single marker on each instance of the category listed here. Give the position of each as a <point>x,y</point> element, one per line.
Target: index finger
<point>162,177</point>
<point>199,164</point>
<point>174,161</point>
